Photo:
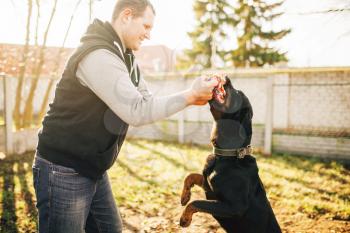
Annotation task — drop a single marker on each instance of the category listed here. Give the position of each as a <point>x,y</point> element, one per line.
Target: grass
<point>308,195</point>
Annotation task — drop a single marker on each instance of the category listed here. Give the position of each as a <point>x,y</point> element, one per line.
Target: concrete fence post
<point>181,120</point>
<point>269,116</point>
<point>8,108</point>
<point>181,125</point>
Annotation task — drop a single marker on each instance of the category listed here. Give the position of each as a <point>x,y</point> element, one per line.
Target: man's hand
<point>201,90</point>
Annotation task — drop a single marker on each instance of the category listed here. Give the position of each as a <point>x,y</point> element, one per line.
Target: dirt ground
<point>168,221</point>
<point>307,195</point>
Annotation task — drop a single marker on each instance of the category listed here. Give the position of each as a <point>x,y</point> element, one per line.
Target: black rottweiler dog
<point>235,194</point>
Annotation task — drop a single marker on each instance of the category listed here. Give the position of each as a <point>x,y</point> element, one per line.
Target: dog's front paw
<point>185,221</point>
<point>186,217</point>
<point>185,197</point>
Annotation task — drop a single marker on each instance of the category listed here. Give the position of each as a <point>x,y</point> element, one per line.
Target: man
<point>100,93</point>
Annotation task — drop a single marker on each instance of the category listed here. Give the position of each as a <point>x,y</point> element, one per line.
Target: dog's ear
<point>235,101</point>
<point>228,82</point>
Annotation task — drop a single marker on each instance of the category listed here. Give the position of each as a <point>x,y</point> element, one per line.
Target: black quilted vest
<point>79,130</point>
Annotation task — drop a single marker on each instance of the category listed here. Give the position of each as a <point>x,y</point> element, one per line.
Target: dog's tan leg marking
<point>191,180</point>
<point>186,217</point>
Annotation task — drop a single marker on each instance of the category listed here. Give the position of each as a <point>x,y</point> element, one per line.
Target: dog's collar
<point>240,153</point>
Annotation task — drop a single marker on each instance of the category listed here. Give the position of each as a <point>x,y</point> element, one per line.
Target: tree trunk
<point>36,44</point>
<point>22,69</point>
<point>56,69</point>
<point>28,111</point>
<point>90,10</point>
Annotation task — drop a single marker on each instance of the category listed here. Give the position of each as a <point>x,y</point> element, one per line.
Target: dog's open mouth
<point>219,91</point>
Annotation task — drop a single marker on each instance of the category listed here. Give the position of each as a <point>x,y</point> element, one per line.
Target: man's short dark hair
<point>138,7</point>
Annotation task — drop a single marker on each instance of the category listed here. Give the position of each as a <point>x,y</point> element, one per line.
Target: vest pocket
<point>105,159</point>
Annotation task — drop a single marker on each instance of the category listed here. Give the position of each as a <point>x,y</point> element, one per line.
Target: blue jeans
<point>70,203</point>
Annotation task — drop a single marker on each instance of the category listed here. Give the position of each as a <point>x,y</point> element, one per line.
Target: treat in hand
<point>219,91</point>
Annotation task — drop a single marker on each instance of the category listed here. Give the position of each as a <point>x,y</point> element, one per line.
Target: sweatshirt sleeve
<point>107,76</point>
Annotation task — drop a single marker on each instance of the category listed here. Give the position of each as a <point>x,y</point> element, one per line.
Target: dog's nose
<point>219,92</point>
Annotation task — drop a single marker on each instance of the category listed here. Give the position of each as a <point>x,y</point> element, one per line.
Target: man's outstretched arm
<point>107,76</point>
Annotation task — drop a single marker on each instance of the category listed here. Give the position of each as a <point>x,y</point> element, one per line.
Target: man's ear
<point>126,15</point>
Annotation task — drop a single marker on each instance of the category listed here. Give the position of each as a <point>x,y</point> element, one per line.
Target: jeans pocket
<point>36,176</point>
<point>65,173</point>
<point>67,180</point>
<point>59,170</point>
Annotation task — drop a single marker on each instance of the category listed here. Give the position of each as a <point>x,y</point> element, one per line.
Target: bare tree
<point>26,119</point>
<point>56,68</point>
<point>91,6</point>
<point>22,69</point>
<point>36,43</point>
<point>91,2</point>
<point>28,111</point>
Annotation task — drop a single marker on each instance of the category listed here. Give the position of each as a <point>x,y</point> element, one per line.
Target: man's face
<point>138,29</point>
